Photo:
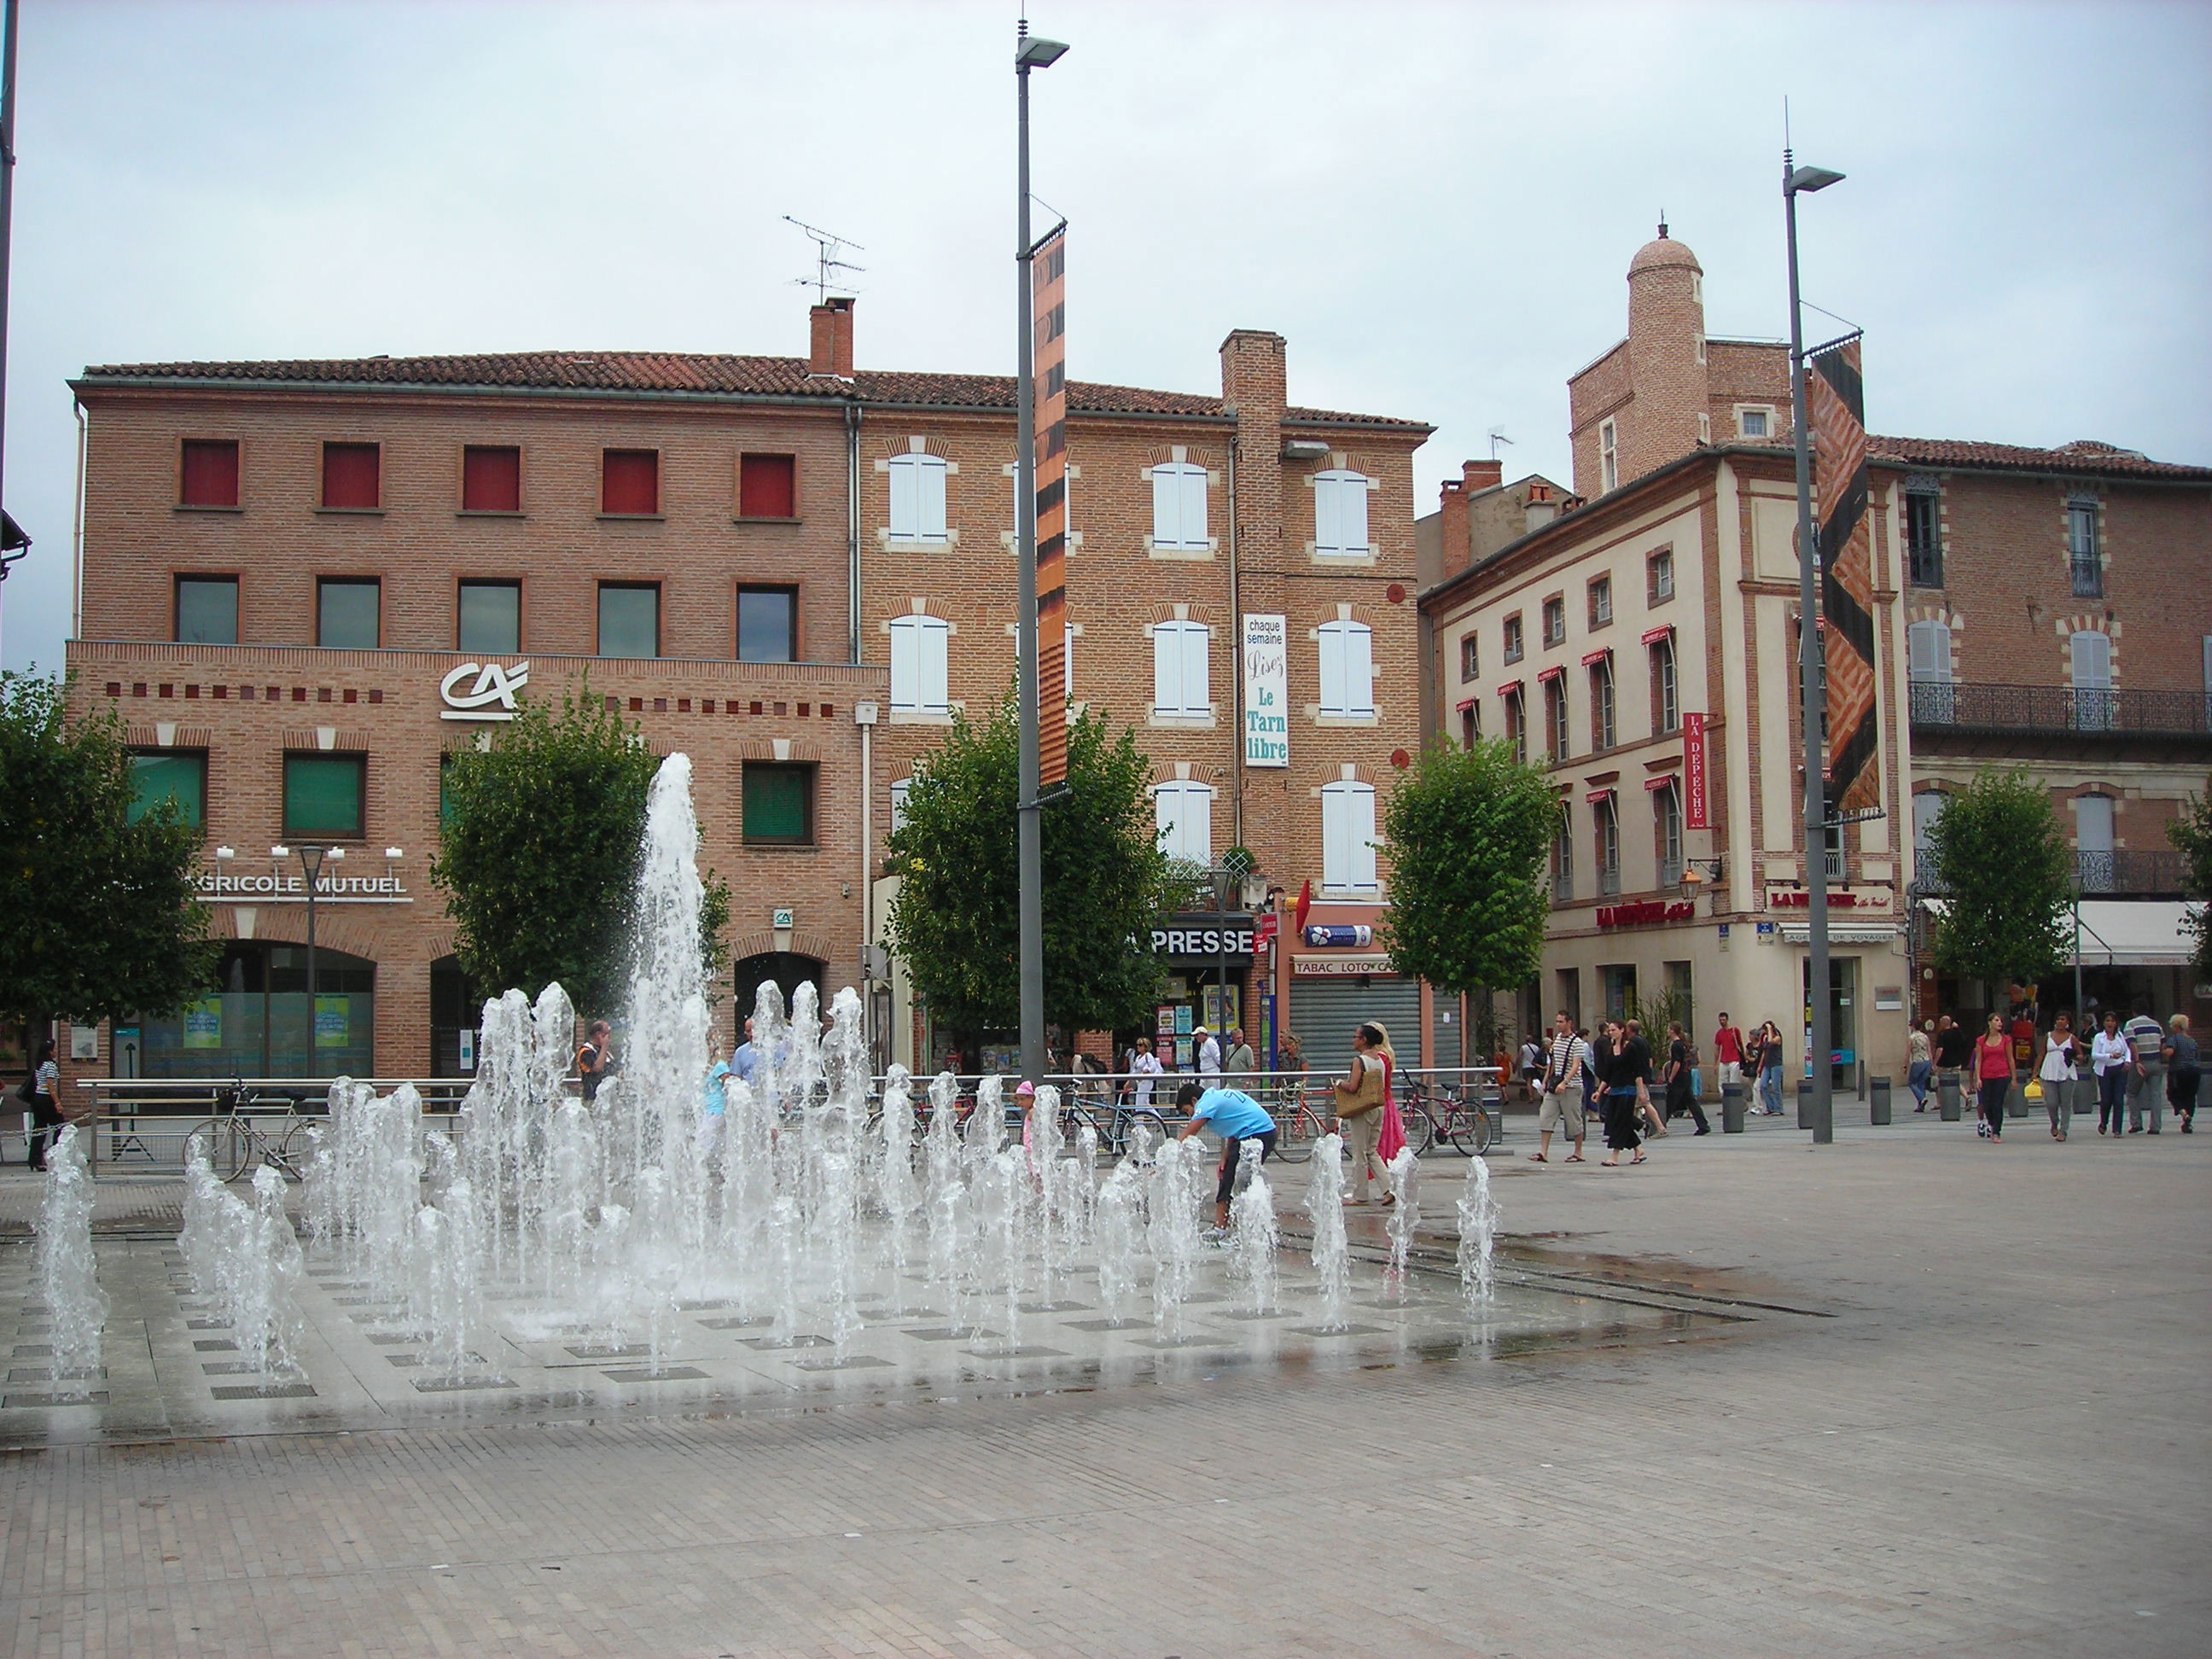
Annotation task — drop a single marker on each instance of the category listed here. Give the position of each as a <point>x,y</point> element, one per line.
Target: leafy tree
<point>538,853</point>
<point>957,921</point>
<point>1468,831</point>
<point>1997,853</point>
<point>98,915</point>
<point>2191,833</point>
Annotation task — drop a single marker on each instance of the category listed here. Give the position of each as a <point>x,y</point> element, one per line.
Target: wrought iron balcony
<point>2137,875</point>
<point>2046,709</point>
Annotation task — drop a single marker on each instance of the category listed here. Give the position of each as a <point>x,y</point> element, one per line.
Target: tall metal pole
<point>1029,813</point>
<point>1820,1042</point>
<point>7,226</point>
<point>312,859</point>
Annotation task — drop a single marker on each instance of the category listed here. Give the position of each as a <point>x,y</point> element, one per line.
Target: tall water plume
<point>68,1277</point>
<point>1331,1255</point>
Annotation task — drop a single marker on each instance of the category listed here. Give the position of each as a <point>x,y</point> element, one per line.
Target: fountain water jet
<point>68,1277</point>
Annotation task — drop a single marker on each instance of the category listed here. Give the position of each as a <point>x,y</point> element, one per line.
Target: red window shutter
<point>491,479</point>
<point>350,475</point>
<point>630,481</point>
<point>767,487</point>
<point>210,472</point>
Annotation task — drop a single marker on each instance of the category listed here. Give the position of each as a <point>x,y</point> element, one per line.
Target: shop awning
<point>1556,672</point>
<point>1463,705</point>
<point>2135,933</point>
<point>2125,932</point>
<point>1653,635</point>
<point>1592,658</point>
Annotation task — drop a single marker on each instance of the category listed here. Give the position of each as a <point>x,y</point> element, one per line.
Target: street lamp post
<point>311,861</point>
<point>1819,1041</point>
<point>1030,52</point>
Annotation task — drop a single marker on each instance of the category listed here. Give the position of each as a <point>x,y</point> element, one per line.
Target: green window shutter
<point>776,802</point>
<point>322,794</point>
<point>157,778</point>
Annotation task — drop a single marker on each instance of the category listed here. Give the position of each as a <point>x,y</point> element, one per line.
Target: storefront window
<point>255,1023</point>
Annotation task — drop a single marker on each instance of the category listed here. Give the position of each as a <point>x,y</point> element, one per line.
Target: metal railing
<point>1942,706</point>
<point>2143,875</point>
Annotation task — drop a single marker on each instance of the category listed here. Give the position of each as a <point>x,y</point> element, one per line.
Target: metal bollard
<point>2016,1100</point>
<point>1946,1097</point>
<point>1731,1109</point>
<point>1878,1100</point>
<point>1805,1103</point>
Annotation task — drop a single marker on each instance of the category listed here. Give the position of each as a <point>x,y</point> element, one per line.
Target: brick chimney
<point>1452,538</point>
<point>830,343</point>
<point>1481,474</point>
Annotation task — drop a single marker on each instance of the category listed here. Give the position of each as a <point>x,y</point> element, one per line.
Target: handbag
<point>2034,1090</point>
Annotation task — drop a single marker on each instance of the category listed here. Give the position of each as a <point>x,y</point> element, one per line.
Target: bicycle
<point>1445,1112</point>
<point>1116,1125</point>
<point>1300,1123</point>
<point>235,1143</point>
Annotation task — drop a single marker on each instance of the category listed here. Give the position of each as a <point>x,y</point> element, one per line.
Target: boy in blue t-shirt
<point>1236,1118</point>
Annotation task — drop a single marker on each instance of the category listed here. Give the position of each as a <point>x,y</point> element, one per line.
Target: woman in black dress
<point>1625,1063</point>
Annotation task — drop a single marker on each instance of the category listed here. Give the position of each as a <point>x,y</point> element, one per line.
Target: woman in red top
<point>1993,1071</point>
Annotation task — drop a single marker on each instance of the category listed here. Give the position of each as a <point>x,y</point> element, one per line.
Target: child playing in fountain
<point>1236,1118</point>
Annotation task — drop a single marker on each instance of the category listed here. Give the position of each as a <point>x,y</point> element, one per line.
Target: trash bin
<point>1805,1103</point>
<point>1731,1109</point>
<point>1878,1100</point>
<point>1947,1096</point>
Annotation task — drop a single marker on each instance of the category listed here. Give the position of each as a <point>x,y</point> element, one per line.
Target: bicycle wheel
<point>289,1156</point>
<point>1471,1129</point>
<point>229,1148</point>
<point>1295,1134</point>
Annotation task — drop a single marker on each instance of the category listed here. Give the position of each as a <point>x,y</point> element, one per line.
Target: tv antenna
<point>1496,437</point>
<point>827,245</point>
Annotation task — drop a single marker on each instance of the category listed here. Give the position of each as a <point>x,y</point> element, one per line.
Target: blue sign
<point>1320,937</point>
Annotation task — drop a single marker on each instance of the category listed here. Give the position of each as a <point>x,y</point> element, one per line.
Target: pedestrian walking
<point>1532,1067</point>
<point>1563,1084</point>
<point>2112,1056</point>
<point>1626,1069</point>
<point>1359,1097</point>
<point>1241,1060</point>
<point>1143,1066</point>
<point>714,1102</point>
<point>595,1059</point>
<point>1728,1052</point>
<point>1993,1077</point>
<point>2183,1074</point>
<point>1770,1070</point>
<point>2146,1075</point>
<point>1632,1031</point>
<point>1920,1063</point>
<point>2056,1075</point>
<point>1208,1056</point>
<point>1680,1095</point>
<point>1954,1050</point>
<point>41,1092</point>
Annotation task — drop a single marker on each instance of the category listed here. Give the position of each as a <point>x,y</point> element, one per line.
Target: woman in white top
<point>1143,1067</point>
<point>2111,1054</point>
<point>2056,1076</point>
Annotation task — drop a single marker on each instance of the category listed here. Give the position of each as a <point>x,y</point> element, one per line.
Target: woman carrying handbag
<point>2056,1075</point>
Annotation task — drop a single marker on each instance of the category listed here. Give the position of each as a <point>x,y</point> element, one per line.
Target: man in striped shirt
<point>1563,1067</point>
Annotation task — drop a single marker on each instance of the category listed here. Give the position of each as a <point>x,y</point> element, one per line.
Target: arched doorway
<point>788,969</point>
<point>456,1013</point>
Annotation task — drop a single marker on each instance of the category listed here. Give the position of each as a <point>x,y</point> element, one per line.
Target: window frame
<point>1765,413</point>
<point>177,581</point>
<point>1343,631</point>
<point>807,773</point>
<point>138,807</point>
<point>1470,724</point>
<point>1365,871</point>
<point>607,455</point>
<point>1558,721</point>
<point>1605,722</point>
<point>1666,688</point>
<point>1608,457</point>
<point>1514,645</point>
<point>1187,475</point>
<point>1517,725</point>
<point>1470,656</point>
<point>787,590</point>
<point>917,626</point>
<point>1923,541</point>
<point>1605,845</point>
<point>1659,576</point>
<point>600,619</point>
<point>1555,609</point>
<point>185,446</point>
<point>1168,820</point>
<point>1345,484</point>
<point>511,583</point>
<point>359,761</point>
<point>1599,597</point>
<point>746,465</point>
<point>1188,633</point>
<point>1666,846</point>
<point>323,502</point>
<point>323,586</point>
<point>919,466</point>
<point>1562,855</point>
<point>2085,546</point>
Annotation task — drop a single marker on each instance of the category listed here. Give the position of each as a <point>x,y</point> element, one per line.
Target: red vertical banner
<point>1049,304</point>
<point>1836,410</point>
<point>1694,815</point>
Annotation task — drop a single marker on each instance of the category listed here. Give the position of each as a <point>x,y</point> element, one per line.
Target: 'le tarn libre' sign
<point>1266,696</point>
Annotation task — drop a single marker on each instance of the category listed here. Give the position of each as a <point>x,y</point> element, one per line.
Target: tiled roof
<point>699,373</point>
<point>2085,456</point>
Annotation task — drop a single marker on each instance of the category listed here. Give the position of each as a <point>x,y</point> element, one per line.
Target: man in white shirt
<point>2147,1077</point>
<point>1209,1057</point>
<point>1570,1058</point>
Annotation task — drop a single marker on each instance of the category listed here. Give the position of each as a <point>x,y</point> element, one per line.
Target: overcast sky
<point>1436,204</point>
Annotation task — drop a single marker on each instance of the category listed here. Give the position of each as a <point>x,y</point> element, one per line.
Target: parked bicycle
<point>252,1128</point>
<point>1447,1112</point>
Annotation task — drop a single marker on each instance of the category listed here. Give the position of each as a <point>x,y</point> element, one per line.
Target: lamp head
<point>1806,180</point>
<point>311,861</point>
<point>1037,52</point>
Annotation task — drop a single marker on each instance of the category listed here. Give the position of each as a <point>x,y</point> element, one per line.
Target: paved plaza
<point>1909,1393</point>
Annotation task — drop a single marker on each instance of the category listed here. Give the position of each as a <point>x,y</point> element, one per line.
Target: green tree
<point>538,853</point>
<point>1468,830</point>
<point>2191,834</point>
<point>956,921</point>
<point>2007,877</point>
<point>98,915</point>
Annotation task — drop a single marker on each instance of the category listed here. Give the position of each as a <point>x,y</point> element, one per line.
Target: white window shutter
<point>2092,819</point>
<point>905,497</point>
<point>2092,661</point>
<point>1351,515</point>
<point>1197,692</point>
<point>1067,658</point>
<point>1167,506</point>
<point>1336,868</point>
<point>1167,668</point>
<point>906,663</point>
<point>932,469</point>
<point>1358,669</point>
<point>934,689</point>
<point>901,788</point>
<point>1332,668</point>
<point>1198,823</point>
<point>1329,516</point>
<point>1360,811</point>
<point>1192,517</point>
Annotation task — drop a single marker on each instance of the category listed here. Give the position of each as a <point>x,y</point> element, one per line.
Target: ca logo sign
<point>482,691</point>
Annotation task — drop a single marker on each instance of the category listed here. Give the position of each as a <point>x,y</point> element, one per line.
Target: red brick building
<point>303,582</point>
